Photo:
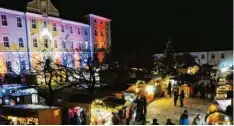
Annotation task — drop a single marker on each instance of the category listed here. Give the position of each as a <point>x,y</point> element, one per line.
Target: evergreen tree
<point>169,60</point>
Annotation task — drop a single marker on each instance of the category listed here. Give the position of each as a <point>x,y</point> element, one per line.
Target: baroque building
<point>30,37</point>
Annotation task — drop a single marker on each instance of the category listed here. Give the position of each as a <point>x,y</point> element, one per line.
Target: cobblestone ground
<point>164,108</point>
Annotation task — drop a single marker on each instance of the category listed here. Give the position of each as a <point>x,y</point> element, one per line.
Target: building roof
<point>99,17</point>
<point>29,107</point>
<point>36,6</point>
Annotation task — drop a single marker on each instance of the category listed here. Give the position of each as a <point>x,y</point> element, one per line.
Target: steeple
<point>44,7</point>
<point>169,40</point>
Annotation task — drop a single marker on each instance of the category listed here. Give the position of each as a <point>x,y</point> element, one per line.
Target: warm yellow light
<point>149,88</point>
<point>137,90</point>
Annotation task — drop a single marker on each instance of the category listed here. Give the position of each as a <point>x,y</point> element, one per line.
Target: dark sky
<point>145,25</point>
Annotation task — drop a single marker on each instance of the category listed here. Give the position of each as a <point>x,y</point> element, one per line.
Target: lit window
<point>54,27</point>
<point>62,28</point>
<point>55,44</point>
<point>19,22</point>
<point>34,98</point>
<point>35,42</point>
<point>34,23</point>
<point>21,42</point>
<point>78,30</point>
<point>202,56</point>
<point>8,65</point>
<point>45,24</point>
<point>71,29</point>
<point>212,56</point>
<point>46,43</point>
<point>6,41</point>
<point>4,20</point>
<point>222,56</point>
<point>86,32</point>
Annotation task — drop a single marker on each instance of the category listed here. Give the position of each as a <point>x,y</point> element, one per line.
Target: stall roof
<point>29,107</point>
<point>112,101</point>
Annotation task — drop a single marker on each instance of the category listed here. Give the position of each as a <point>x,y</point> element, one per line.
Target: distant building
<point>29,37</point>
<point>222,59</point>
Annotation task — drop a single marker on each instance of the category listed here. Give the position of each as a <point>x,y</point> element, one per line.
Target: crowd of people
<point>184,120</point>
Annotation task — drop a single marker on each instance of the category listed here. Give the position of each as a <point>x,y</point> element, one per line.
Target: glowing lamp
<point>223,70</point>
<point>137,90</point>
<point>149,88</point>
<point>45,32</point>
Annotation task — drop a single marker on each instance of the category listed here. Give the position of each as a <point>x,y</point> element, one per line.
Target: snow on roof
<point>29,106</point>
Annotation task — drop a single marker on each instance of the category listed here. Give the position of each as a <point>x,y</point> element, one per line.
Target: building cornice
<point>41,16</point>
<point>99,17</point>
<point>74,23</point>
<point>11,11</point>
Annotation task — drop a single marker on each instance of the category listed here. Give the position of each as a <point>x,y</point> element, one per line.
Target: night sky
<point>145,25</point>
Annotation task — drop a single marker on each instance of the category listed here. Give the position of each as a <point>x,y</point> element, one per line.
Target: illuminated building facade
<point>32,36</point>
<point>100,32</point>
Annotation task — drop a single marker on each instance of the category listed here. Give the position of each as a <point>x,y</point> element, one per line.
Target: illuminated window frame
<point>19,22</point>
<point>46,43</point>
<point>45,24</point>
<point>6,41</point>
<point>62,28</point>
<point>71,29</point>
<point>4,20</point>
<point>34,23</point>
<point>35,41</point>
<point>54,27</point>
<point>21,43</point>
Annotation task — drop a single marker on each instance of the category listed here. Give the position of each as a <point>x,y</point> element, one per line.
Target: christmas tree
<point>169,58</point>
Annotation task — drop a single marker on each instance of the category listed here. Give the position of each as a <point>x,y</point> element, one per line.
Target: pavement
<point>164,108</point>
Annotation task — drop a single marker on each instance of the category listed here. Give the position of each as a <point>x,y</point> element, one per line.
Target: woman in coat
<point>184,118</point>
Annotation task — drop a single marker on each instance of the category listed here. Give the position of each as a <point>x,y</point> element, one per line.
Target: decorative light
<point>223,70</point>
<point>45,32</point>
<point>149,88</point>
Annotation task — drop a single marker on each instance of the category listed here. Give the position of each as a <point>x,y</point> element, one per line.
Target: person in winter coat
<point>184,118</point>
<point>139,107</point>
<point>144,104</point>
<point>176,95</point>
<point>169,89</point>
<point>182,98</point>
<point>198,120</point>
<point>155,122</point>
<point>169,122</point>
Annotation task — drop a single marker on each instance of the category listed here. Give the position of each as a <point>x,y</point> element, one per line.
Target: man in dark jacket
<point>169,89</point>
<point>169,122</point>
<point>176,95</point>
<point>182,98</point>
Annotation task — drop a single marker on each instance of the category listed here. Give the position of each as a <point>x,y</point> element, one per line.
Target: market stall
<point>221,92</point>
<point>11,94</point>
<point>186,90</point>
<point>32,114</point>
<point>105,111</point>
<point>147,90</point>
<point>216,115</point>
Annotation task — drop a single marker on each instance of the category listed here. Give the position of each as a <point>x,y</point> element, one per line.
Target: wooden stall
<point>32,114</point>
<point>216,116</point>
<point>186,89</point>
